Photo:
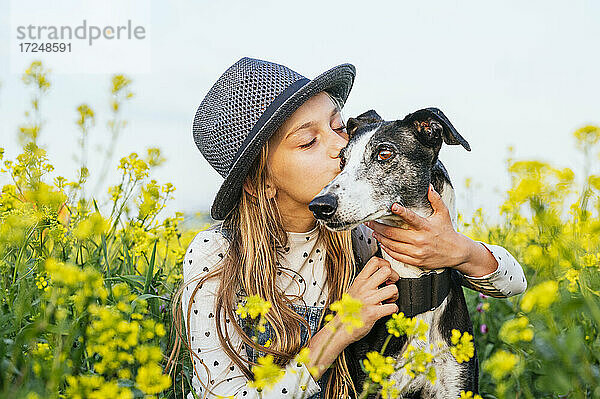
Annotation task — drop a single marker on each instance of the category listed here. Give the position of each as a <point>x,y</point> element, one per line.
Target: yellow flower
<point>42,283</point>
<point>590,260</point>
<point>124,374</point>
<point>419,359</point>
<point>348,310</point>
<point>388,391</point>
<point>572,275</point>
<point>303,357</point>
<point>147,354</point>
<point>587,136</point>
<point>254,306</point>
<point>266,373</point>
<point>151,380</point>
<point>93,224</point>
<point>516,330</point>
<point>542,295</point>
<point>463,348</point>
<point>430,375</point>
<point>378,366</point>
<point>469,395</point>
<point>400,325</point>
<point>500,364</point>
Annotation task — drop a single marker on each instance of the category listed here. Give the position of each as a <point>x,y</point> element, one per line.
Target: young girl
<point>275,136</point>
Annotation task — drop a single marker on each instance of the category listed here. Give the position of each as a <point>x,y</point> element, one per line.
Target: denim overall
<point>311,314</point>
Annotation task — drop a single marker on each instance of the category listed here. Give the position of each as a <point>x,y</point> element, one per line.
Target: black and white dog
<point>395,161</point>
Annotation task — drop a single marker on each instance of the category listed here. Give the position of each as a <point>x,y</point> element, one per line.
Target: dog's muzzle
<point>324,206</point>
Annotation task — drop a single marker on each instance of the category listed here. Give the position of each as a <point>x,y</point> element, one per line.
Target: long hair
<point>258,239</point>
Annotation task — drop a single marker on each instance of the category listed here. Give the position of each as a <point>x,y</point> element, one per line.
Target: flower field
<point>86,282</point>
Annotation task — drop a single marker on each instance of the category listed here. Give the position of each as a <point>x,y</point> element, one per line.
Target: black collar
<point>418,295</point>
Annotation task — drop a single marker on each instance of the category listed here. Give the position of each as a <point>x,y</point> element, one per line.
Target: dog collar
<point>418,295</point>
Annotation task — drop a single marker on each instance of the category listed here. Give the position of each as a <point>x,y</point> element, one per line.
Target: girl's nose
<point>339,142</point>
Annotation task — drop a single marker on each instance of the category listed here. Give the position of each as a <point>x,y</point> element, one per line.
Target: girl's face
<point>303,157</point>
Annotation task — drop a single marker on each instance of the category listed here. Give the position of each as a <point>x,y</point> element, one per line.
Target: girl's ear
<point>271,189</point>
<point>250,189</point>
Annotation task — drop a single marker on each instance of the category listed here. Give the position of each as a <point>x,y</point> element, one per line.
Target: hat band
<point>274,106</point>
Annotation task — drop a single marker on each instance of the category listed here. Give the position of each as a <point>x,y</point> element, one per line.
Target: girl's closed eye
<point>339,129</point>
<point>308,144</point>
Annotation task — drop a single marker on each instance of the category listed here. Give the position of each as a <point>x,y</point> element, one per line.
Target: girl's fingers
<point>379,277</point>
<point>386,310</point>
<point>371,267</point>
<point>389,292</point>
<point>408,260</point>
<point>397,234</point>
<point>397,246</point>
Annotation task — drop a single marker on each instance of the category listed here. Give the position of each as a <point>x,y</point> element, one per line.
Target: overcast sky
<point>506,73</point>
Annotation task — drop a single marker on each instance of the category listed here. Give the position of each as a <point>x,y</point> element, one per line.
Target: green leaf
<point>133,280</point>
<point>108,272</point>
<point>95,205</point>
<point>147,296</point>
<point>150,271</point>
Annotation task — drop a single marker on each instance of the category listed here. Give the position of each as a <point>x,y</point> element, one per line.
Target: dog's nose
<point>323,207</point>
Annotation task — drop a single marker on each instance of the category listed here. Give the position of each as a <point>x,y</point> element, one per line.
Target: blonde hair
<point>252,263</point>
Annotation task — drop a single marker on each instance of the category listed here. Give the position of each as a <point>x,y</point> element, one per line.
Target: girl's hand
<point>377,302</point>
<point>428,243</point>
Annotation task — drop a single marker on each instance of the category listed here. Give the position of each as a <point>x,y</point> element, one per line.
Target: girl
<point>275,136</point>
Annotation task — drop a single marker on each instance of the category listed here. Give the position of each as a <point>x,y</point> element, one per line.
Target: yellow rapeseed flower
<point>541,295</point>
<point>418,360</point>
<point>400,325</point>
<point>500,364</point>
<point>462,346</point>
<point>388,390</point>
<point>266,373</point>
<point>591,260</point>
<point>151,380</point>
<point>303,357</point>
<point>93,224</point>
<point>254,307</point>
<point>516,330</point>
<point>378,366</point>
<point>348,310</point>
<point>572,275</point>
<point>469,395</point>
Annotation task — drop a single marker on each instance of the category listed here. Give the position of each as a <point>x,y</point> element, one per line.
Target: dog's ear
<point>432,126</point>
<point>363,119</point>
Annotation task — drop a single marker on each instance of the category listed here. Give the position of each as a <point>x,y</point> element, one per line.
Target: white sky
<point>515,73</point>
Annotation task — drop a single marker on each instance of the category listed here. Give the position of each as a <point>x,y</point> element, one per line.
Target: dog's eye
<point>384,155</point>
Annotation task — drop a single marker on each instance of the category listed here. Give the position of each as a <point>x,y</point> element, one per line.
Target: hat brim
<point>337,80</point>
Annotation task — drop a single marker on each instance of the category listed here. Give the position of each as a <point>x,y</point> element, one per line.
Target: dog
<point>395,161</point>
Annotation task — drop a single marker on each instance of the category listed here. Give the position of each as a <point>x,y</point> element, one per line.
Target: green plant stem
<point>385,344</point>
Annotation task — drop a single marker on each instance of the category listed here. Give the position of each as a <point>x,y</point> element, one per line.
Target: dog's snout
<point>324,206</point>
